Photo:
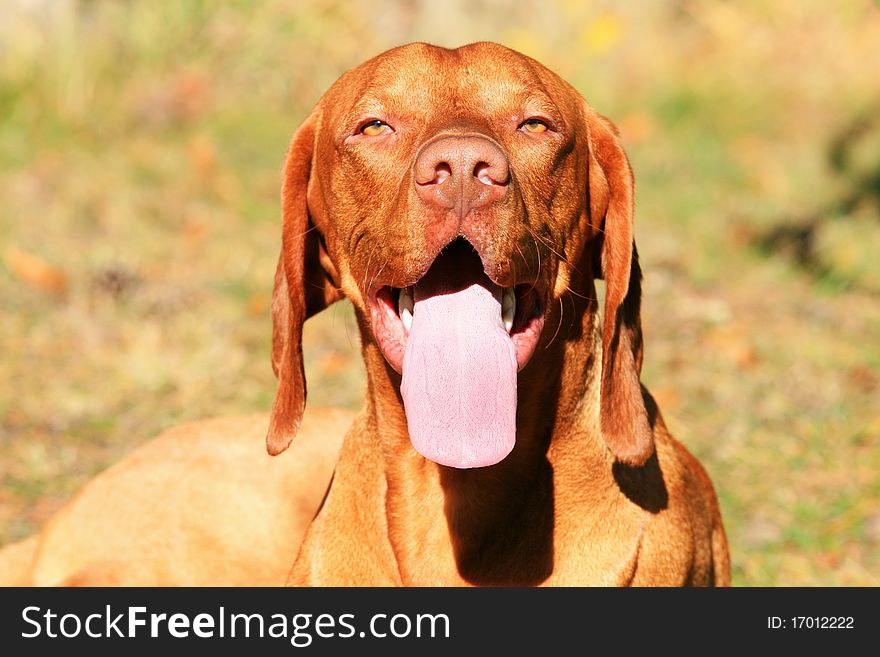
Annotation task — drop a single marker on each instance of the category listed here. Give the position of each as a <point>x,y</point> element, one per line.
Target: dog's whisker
<point>376,275</point>
<point>558,325</point>
<point>306,232</point>
<point>549,247</point>
<point>578,294</point>
<point>369,264</point>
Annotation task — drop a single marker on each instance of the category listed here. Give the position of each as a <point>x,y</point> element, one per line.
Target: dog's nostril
<point>481,173</point>
<point>489,174</point>
<point>443,172</point>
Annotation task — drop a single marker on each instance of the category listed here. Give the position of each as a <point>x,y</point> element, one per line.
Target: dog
<point>200,505</point>
<point>465,202</point>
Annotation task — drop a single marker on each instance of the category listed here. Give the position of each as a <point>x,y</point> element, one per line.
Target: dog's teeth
<point>405,308</point>
<point>508,308</point>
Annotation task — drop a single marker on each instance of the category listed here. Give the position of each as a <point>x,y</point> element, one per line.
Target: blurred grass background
<point>140,153</point>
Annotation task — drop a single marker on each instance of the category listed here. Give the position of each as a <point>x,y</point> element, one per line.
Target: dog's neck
<point>493,524</point>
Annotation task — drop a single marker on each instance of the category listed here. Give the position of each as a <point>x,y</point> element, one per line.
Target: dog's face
<point>453,196</point>
<point>423,146</point>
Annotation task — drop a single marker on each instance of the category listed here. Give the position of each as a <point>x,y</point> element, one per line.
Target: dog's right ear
<point>304,285</point>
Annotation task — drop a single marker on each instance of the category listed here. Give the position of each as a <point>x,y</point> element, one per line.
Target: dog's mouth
<point>458,339</point>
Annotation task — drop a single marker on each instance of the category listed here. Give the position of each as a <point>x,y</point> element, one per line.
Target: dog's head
<point>454,196</point>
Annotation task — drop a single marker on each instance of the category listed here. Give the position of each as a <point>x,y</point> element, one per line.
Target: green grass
<point>140,153</point>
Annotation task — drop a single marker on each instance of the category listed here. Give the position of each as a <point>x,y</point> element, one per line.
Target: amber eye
<point>375,128</point>
<point>534,126</point>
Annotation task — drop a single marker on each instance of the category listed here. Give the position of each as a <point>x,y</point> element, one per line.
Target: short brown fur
<point>595,491</point>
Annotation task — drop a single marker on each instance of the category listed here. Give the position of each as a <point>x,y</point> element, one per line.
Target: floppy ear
<point>624,420</point>
<point>303,286</point>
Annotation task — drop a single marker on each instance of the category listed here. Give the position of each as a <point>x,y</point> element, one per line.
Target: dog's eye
<point>534,126</point>
<point>375,128</point>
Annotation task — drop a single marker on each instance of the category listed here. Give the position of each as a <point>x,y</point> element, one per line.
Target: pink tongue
<point>459,369</point>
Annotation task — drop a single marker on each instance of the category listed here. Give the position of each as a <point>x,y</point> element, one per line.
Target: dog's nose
<point>461,172</point>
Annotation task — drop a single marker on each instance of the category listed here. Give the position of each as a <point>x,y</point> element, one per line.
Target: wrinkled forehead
<point>481,79</point>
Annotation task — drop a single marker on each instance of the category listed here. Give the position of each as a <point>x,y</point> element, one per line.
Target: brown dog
<point>200,505</point>
<point>436,189</point>
<point>466,201</point>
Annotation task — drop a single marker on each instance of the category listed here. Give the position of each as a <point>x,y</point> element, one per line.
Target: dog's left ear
<point>303,286</point>
<point>624,419</point>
